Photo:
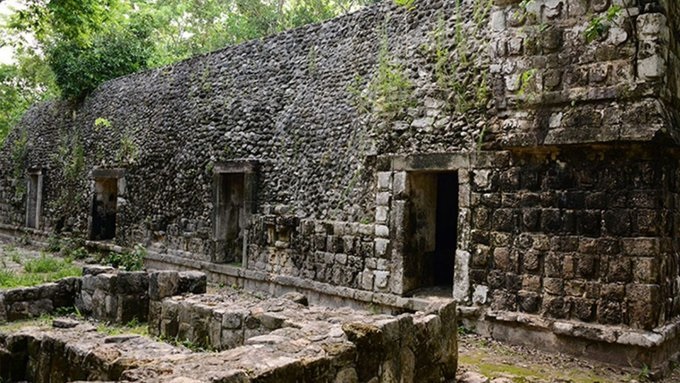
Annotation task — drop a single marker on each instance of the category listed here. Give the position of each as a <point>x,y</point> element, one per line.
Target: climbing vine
<point>390,90</point>
<point>19,155</point>
<point>456,68</point>
<point>70,159</point>
<point>599,25</point>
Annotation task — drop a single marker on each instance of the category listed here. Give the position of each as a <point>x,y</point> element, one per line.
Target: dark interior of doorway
<point>104,209</point>
<point>432,227</point>
<point>231,217</point>
<point>446,232</point>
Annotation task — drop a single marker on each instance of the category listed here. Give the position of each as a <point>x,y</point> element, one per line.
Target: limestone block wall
<point>32,302</point>
<point>120,297</point>
<point>418,347</point>
<point>286,103</point>
<point>102,293</point>
<point>553,85</point>
<point>563,204</point>
<point>588,240</point>
<point>315,344</point>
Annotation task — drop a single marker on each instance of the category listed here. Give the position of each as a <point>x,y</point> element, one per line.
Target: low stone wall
<point>120,297</point>
<point>410,347</point>
<point>310,344</point>
<point>31,302</point>
<point>103,293</point>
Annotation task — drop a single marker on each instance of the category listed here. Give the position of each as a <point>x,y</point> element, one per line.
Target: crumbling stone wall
<point>260,339</point>
<point>102,293</point>
<point>32,302</point>
<point>284,102</point>
<point>563,149</point>
<point>543,61</point>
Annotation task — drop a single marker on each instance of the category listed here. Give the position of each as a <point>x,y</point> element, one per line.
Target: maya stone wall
<point>32,302</point>
<point>552,137</point>
<point>285,102</point>
<point>544,61</point>
<point>587,240</point>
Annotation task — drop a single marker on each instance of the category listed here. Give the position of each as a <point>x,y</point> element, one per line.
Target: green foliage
<point>525,81</point>
<point>132,327</point>
<point>70,160</point>
<point>128,151</point>
<point>21,85</point>
<point>53,244</point>
<point>74,20</point>
<point>599,25</point>
<point>80,68</point>
<point>101,123</point>
<point>44,264</point>
<point>455,68</point>
<point>81,43</point>
<point>128,260</point>
<point>405,3</point>
<point>390,91</point>
<point>38,271</point>
<point>19,154</point>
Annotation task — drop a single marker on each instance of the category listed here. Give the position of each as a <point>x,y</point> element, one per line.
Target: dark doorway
<point>447,228</point>
<point>104,209</point>
<point>231,217</point>
<point>34,201</point>
<point>432,224</point>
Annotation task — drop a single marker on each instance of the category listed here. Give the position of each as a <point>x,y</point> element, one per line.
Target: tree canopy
<point>66,48</point>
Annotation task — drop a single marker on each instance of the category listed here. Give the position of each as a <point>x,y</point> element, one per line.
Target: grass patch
<point>133,327</point>
<point>520,374</point>
<point>38,271</point>
<point>44,321</point>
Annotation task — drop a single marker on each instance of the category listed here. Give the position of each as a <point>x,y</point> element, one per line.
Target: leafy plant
<point>390,92</point>
<point>39,271</point>
<point>100,123</point>
<point>53,244</point>
<point>19,154</point>
<point>44,264</point>
<point>599,25</point>
<point>80,68</point>
<point>128,150</point>
<point>405,3</point>
<point>128,260</point>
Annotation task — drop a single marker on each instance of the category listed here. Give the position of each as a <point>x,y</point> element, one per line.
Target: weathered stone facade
<point>251,338</point>
<point>532,166</point>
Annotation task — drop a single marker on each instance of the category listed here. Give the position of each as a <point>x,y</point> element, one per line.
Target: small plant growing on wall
<point>70,158</point>
<point>101,123</point>
<point>129,260</point>
<point>390,92</point>
<point>19,155</point>
<point>128,151</point>
<point>408,4</point>
<point>599,25</point>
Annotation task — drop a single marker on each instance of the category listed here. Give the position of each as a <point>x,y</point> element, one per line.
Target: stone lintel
<point>98,173</point>
<point>237,166</point>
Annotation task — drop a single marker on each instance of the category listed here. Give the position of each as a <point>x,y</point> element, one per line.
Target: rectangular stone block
<point>129,283</point>
<point>132,307</point>
<point>384,180</point>
<point>194,282</point>
<point>163,284</point>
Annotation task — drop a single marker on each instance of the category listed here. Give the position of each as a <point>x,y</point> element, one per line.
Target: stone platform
<point>250,338</point>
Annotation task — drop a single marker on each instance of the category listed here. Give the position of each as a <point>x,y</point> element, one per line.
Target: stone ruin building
<point>519,156</point>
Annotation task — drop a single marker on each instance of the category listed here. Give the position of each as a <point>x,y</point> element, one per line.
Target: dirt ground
<point>483,360</point>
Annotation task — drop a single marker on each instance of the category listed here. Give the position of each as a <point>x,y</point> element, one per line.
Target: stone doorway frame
<point>34,185</point>
<point>248,169</point>
<point>97,175</point>
<point>396,179</point>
